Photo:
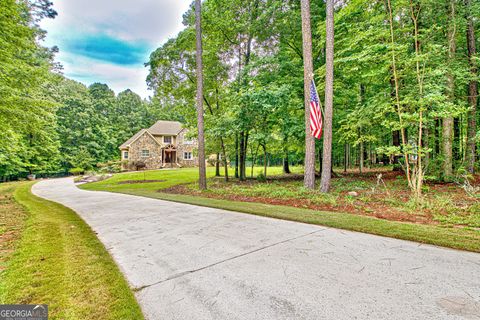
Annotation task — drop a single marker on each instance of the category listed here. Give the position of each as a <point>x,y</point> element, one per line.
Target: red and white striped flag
<point>316,121</point>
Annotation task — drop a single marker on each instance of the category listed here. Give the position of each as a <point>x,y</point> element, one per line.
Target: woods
<point>51,124</point>
<point>401,77</point>
<point>400,88</point>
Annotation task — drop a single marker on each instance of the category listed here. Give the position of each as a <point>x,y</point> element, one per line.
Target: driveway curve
<point>191,262</point>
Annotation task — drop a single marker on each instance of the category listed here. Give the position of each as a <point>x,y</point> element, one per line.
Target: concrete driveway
<point>190,262</point>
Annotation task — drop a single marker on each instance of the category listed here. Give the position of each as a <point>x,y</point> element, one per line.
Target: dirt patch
<point>139,181</point>
<point>12,223</point>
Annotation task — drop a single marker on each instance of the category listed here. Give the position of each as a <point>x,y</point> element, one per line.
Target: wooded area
<point>405,89</point>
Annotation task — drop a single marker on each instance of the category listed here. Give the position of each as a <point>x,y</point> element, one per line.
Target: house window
<point>167,139</point>
<point>125,155</point>
<point>145,153</point>
<point>187,156</point>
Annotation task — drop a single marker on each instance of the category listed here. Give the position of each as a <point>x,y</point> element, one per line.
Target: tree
<point>327,135</point>
<point>447,132</point>
<point>472,89</point>
<point>27,114</point>
<point>202,181</point>
<point>309,175</point>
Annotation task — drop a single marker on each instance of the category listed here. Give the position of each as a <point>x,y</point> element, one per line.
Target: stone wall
<point>182,147</point>
<point>146,142</point>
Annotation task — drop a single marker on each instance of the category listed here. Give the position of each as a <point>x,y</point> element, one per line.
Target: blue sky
<point>109,40</point>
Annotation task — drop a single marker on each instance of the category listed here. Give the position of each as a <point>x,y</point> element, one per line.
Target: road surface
<point>191,262</point>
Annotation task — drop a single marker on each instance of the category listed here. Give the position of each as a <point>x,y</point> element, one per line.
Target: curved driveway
<point>190,262</point>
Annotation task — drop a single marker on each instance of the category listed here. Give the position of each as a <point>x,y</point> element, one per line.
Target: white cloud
<point>150,21</point>
<point>118,78</point>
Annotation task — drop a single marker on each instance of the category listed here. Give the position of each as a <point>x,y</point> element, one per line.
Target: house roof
<point>137,135</point>
<point>127,143</point>
<point>162,127</point>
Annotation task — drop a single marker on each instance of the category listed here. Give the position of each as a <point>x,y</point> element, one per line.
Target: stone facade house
<point>162,145</point>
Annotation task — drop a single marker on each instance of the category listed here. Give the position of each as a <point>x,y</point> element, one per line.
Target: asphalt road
<point>191,262</point>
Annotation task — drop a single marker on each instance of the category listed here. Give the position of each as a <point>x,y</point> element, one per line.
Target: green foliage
<point>50,123</point>
<point>76,171</point>
<point>261,177</point>
<point>254,79</point>
<point>28,140</point>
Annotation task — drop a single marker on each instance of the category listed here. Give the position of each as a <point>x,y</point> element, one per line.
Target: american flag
<point>316,122</point>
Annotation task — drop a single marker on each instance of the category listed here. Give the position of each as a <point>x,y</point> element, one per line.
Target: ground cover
<point>49,255</point>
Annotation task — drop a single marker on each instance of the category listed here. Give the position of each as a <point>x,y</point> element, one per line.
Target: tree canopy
<point>405,88</point>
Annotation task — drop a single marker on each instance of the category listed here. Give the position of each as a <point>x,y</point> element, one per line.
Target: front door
<point>169,155</point>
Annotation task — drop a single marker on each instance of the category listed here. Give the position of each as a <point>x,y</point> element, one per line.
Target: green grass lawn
<point>443,235</point>
<point>170,177</point>
<point>51,256</point>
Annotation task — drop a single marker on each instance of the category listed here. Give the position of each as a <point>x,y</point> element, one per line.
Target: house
<point>162,145</point>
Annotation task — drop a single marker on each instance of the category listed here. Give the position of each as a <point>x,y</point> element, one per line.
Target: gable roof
<point>134,138</point>
<point>162,127</point>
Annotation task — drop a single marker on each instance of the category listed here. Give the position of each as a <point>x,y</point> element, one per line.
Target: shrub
<point>137,165</point>
<point>76,171</point>
<point>261,177</point>
<point>110,167</point>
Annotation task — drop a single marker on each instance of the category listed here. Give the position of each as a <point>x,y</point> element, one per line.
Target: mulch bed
<point>139,181</point>
<point>376,210</point>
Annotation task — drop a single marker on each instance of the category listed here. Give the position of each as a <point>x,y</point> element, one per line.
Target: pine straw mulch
<point>378,203</point>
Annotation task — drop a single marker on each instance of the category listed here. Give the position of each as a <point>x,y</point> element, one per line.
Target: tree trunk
<point>396,82</point>
<point>320,161</point>
<point>264,160</point>
<point>327,135</point>
<point>362,149</point>
<point>236,156</point>
<point>225,161</point>
<point>345,158</point>
<point>286,165</point>
<point>254,158</point>
<point>242,155</point>
<point>472,91</point>
<point>202,180</point>
<point>425,144</point>
<point>438,136</point>
<point>309,176</point>
<point>457,148</point>
<point>361,156</point>
<point>447,130</point>
<point>244,164</point>
<point>217,165</point>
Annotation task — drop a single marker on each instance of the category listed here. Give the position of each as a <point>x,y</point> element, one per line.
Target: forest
<point>405,89</point>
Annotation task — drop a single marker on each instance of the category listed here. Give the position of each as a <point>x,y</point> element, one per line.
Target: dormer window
<point>167,139</point>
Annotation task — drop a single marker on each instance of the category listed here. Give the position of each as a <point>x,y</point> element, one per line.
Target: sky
<point>109,41</point>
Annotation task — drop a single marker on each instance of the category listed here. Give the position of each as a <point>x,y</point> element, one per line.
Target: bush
<point>110,167</point>
<point>137,165</point>
<point>76,171</point>
<point>261,177</point>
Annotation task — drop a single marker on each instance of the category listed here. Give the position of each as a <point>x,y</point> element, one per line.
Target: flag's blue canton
<point>313,93</point>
